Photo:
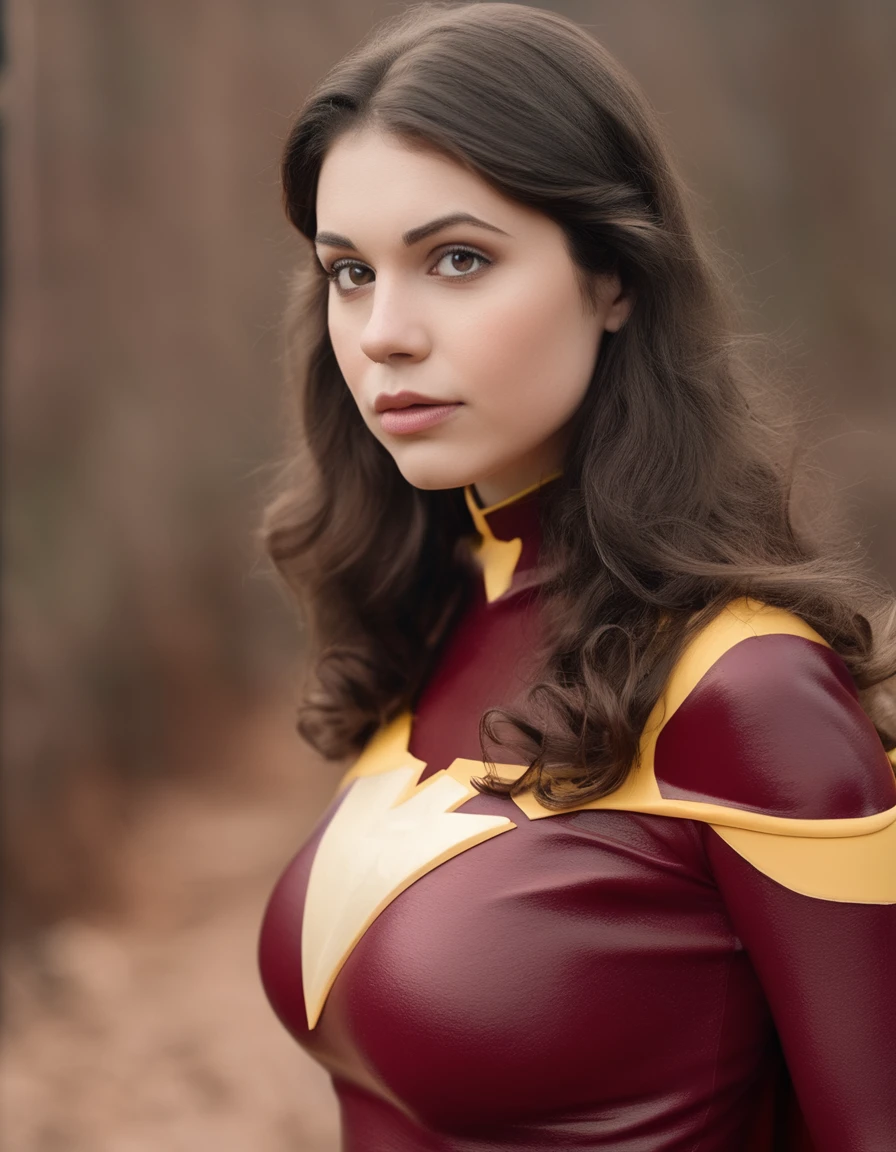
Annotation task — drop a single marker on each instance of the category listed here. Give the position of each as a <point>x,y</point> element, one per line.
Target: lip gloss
<point>416,418</point>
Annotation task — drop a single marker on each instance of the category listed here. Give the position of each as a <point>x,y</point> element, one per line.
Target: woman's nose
<point>395,326</point>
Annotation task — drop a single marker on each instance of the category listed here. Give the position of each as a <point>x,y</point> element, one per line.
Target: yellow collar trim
<point>498,558</point>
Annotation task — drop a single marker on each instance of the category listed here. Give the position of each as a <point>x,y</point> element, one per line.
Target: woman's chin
<point>430,466</point>
<point>434,479</point>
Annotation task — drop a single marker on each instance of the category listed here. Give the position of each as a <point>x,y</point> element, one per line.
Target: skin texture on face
<point>497,325</point>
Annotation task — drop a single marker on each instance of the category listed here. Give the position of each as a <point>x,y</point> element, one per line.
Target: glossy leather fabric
<point>826,969</point>
<point>573,983</point>
<point>604,979</point>
<point>784,711</point>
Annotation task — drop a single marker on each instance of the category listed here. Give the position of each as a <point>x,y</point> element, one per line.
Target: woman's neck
<point>526,472</point>
<point>509,482</point>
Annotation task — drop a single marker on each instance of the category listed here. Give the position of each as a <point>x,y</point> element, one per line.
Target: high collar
<point>508,538</point>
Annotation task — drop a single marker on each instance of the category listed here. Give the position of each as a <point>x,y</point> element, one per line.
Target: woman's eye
<point>351,280</point>
<point>455,264</point>
<point>458,262</point>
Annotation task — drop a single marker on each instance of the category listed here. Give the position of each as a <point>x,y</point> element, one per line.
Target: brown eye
<point>460,262</point>
<point>345,285</point>
<point>356,274</point>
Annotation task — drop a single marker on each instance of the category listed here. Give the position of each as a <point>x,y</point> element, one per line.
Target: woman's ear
<point>617,303</point>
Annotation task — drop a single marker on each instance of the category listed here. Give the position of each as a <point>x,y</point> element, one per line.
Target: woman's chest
<point>575,954</point>
<point>436,948</point>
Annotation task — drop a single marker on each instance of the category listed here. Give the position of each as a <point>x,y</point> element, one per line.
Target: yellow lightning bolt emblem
<point>386,833</point>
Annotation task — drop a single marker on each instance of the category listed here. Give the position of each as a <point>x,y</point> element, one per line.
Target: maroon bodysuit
<point>702,962</point>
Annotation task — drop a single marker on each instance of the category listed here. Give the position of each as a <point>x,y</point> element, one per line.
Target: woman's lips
<point>416,418</point>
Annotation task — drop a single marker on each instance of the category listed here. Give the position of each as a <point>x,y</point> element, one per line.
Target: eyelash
<point>332,273</point>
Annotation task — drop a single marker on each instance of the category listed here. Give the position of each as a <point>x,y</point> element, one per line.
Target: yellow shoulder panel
<point>740,620</point>
<point>856,869</point>
<point>850,860</point>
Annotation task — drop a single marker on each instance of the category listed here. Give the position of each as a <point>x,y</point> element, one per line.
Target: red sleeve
<point>775,727</point>
<point>827,969</point>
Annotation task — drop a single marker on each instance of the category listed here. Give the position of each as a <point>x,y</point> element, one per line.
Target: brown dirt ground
<point>151,1030</point>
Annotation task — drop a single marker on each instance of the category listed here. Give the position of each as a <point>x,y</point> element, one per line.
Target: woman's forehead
<point>376,183</point>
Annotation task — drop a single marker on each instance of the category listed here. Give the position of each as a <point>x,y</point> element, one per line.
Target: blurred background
<point>153,785</point>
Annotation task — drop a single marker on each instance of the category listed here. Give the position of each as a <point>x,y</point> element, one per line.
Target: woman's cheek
<point>348,361</point>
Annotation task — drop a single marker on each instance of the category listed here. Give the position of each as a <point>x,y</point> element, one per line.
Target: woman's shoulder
<point>760,713</point>
<point>760,738</point>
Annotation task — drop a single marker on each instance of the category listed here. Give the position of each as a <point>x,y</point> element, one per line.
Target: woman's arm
<point>827,969</point>
<point>774,727</point>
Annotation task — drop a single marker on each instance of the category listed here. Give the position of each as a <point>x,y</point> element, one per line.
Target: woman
<point>614,867</point>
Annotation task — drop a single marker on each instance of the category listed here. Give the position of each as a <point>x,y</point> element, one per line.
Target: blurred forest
<point>153,786</point>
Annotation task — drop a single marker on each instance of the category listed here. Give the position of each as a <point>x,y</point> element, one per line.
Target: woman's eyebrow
<point>334,240</point>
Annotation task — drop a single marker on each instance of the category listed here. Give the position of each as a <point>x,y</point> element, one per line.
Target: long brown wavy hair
<point>677,488</point>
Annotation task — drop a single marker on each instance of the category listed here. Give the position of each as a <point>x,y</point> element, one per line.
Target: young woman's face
<point>482,321</point>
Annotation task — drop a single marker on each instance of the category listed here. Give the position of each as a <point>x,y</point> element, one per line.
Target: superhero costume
<point>480,973</point>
